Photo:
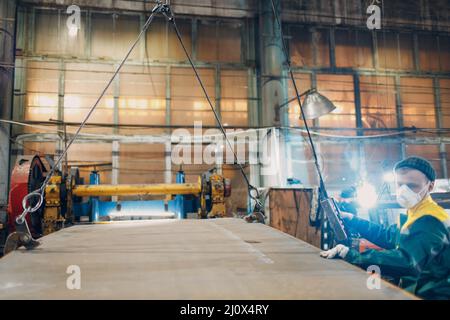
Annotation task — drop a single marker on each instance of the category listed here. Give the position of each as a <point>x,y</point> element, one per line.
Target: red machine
<point>27,176</point>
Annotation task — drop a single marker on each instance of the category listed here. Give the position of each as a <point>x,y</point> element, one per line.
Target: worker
<point>416,253</point>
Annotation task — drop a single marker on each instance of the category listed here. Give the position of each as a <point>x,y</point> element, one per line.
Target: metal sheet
<point>182,259</point>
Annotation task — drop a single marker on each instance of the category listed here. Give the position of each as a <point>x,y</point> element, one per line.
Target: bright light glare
<point>367,195</point>
<point>389,177</point>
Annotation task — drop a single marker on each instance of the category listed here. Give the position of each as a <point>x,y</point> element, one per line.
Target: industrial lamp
<point>315,104</point>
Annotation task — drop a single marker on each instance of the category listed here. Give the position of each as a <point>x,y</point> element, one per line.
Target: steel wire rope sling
<point>22,235</point>
<point>327,204</point>
<point>253,192</point>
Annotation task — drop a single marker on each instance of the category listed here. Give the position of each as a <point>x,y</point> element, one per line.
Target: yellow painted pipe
<point>136,189</point>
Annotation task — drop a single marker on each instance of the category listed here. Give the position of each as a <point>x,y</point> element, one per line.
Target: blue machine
<point>95,210</point>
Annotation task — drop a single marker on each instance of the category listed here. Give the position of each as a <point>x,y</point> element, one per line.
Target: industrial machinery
<point>67,200</point>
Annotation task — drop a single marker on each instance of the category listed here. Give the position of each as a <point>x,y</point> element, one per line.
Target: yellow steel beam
<point>136,189</point>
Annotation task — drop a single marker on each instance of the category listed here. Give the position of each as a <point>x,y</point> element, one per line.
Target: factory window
<point>219,41</point>
<point>83,85</point>
<point>302,163</point>
<point>378,102</point>
<point>444,52</point>
<point>92,156</point>
<point>175,49</point>
<point>395,51</point>
<point>141,163</point>
<point>428,52</point>
<point>303,82</point>
<point>447,149</point>
<point>353,48</point>
<point>309,46</point>
<point>417,97</point>
<point>234,102</point>
<point>340,163</point>
<point>113,35</point>
<point>444,85</point>
<point>41,148</point>
<point>426,151</point>
<point>156,48</point>
<point>188,103</point>
<point>162,42</point>
<point>47,32</point>
<point>301,47</point>
<point>142,96</point>
<point>54,37</point>
<point>42,91</point>
<point>339,89</point>
<point>380,158</point>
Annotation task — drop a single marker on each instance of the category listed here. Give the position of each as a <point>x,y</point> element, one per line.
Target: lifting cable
<point>39,193</point>
<point>322,189</point>
<point>252,191</point>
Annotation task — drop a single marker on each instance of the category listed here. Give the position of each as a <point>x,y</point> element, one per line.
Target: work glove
<point>339,251</point>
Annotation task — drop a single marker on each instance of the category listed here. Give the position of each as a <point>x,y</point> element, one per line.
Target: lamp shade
<point>316,105</point>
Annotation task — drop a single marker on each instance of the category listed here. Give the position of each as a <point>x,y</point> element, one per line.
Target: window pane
<point>142,96</point>
<point>418,102</point>
<point>447,149</point>
<point>444,50</point>
<point>53,37</point>
<point>380,159</point>
<point>445,102</point>
<point>428,53</point>
<point>234,101</point>
<point>83,85</point>
<point>340,163</point>
<point>303,82</point>
<point>378,102</point>
<point>302,44</point>
<point>156,40</point>
<point>395,51</point>
<point>113,35</point>
<point>188,102</point>
<point>207,41</point>
<point>47,32</point>
<point>353,49</point>
<point>301,47</point>
<point>41,148</point>
<point>321,41</point>
<point>42,92</point>
<point>229,48</point>
<point>406,47</point>
<point>175,49</point>
<point>219,41</point>
<point>387,50</point>
<point>339,89</point>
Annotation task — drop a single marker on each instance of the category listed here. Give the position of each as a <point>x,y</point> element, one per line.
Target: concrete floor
<point>187,259</point>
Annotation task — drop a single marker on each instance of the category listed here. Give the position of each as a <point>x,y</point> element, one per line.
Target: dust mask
<point>408,198</point>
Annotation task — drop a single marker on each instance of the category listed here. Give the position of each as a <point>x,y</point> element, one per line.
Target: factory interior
<point>225,150</point>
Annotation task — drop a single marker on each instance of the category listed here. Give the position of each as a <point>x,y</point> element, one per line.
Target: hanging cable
<point>25,235</point>
<point>322,189</point>
<point>252,191</point>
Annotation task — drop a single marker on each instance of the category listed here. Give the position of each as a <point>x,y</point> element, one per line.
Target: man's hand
<point>340,250</point>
